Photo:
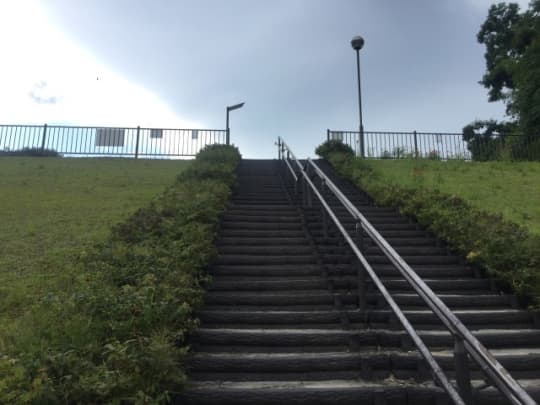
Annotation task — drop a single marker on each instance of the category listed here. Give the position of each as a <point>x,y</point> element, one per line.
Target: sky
<point>179,63</point>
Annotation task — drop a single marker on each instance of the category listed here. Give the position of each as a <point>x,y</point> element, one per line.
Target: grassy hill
<point>52,208</point>
<point>486,211</point>
<point>509,188</point>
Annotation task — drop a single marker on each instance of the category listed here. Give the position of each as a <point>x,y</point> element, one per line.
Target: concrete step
<point>274,250</point>
<point>311,317</point>
<point>260,233</point>
<point>294,338</point>
<point>268,241</point>
<point>265,259</point>
<point>369,365</point>
<point>379,259</point>
<point>270,217</point>
<point>322,297</point>
<point>247,283</point>
<point>261,225</point>
<point>383,270</point>
<point>303,392</point>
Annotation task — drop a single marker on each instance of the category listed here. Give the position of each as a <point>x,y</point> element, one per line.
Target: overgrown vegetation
<point>35,152</point>
<point>506,250</point>
<point>117,335</point>
<point>512,41</point>
<point>325,149</point>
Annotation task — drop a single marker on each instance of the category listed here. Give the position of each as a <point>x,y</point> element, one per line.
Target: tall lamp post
<point>231,108</point>
<point>357,43</point>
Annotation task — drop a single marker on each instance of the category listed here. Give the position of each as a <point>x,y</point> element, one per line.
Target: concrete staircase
<point>281,323</point>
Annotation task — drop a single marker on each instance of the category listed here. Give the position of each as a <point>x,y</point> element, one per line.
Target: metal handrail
<point>438,373</point>
<point>498,374</point>
<point>465,342</point>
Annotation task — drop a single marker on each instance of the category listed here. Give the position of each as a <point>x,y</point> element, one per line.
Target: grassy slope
<point>51,208</point>
<point>512,189</point>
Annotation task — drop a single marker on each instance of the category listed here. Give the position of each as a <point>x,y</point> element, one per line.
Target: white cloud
<point>47,78</point>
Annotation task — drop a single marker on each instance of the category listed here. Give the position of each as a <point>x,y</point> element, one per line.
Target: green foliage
<point>512,41</point>
<point>36,152</point>
<point>333,146</point>
<point>118,336</point>
<point>498,34</point>
<point>506,250</point>
<point>486,139</point>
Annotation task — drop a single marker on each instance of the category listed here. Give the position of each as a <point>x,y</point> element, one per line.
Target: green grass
<point>509,188</point>
<point>111,326</point>
<point>487,212</point>
<point>52,209</point>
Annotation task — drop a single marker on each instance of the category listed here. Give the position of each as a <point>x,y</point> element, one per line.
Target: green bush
<point>118,336</point>
<point>507,251</point>
<point>31,152</point>
<point>333,146</point>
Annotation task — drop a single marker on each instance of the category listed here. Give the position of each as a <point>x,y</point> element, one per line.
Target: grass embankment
<point>488,212</point>
<point>53,209</point>
<point>115,333</point>
<point>511,189</point>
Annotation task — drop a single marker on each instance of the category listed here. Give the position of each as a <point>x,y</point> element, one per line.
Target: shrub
<point>38,152</point>
<point>507,252</point>
<point>119,335</point>
<point>333,146</point>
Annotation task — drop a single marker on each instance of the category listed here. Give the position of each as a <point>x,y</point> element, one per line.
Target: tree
<point>512,41</point>
<point>486,140</point>
<point>497,34</point>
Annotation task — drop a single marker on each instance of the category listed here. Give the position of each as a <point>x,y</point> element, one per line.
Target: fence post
<point>415,145</point>
<point>328,134</point>
<point>43,137</point>
<point>137,142</point>
<point>228,136</point>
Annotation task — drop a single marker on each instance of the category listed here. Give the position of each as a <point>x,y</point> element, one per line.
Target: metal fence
<point>109,141</point>
<point>444,146</point>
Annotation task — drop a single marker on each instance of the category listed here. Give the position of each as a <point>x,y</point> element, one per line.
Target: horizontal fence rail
<point>465,344</point>
<point>108,141</point>
<point>433,145</point>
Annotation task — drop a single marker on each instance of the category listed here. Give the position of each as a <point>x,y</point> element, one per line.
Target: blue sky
<point>179,63</point>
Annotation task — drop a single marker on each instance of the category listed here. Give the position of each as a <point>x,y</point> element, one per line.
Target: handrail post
<point>309,199</point>
<point>463,373</point>
<point>137,142</point>
<point>323,211</point>
<point>361,274</point>
<point>304,190</point>
<point>43,137</point>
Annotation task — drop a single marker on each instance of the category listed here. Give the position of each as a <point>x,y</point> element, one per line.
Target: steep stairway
<point>281,323</point>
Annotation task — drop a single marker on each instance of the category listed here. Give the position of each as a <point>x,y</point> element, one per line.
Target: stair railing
<point>309,187</point>
<point>464,342</point>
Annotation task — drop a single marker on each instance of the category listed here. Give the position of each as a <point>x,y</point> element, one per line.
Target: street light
<point>231,108</point>
<point>357,43</point>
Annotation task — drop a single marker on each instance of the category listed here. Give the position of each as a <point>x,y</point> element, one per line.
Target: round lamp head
<point>357,43</point>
